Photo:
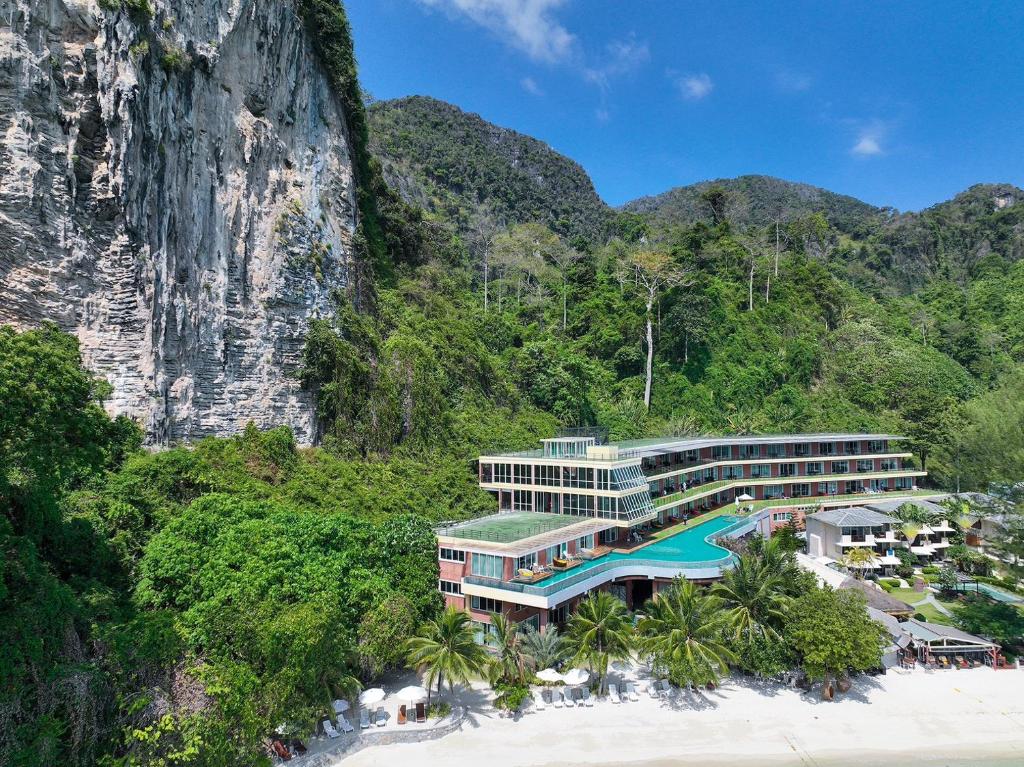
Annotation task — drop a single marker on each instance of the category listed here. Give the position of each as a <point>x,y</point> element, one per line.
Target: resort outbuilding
<point>935,643</point>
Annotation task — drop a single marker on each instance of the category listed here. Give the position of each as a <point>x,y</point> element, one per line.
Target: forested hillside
<point>477,175</point>
<point>176,607</point>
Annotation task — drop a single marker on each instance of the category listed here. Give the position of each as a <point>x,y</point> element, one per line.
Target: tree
<point>755,244</point>
<point>446,648</point>
<point>511,662</point>
<point>564,258</point>
<point>598,633</point>
<point>683,631</point>
<point>948,579</point>
<point>832,633</point>
<point>752,594</point>
<point>381,634</point>
<point>653,272</point>
<point>546,650</point>
<point>1000,621</point>
<point>859,559</point>
<point>1006,509</point>
<point>522,255</point>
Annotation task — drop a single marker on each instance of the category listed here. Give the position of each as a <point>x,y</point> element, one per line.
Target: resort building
<point>832,534</point>
<point>577,515</point>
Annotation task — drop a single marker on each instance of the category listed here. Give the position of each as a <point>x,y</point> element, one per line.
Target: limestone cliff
<point>176,189</point>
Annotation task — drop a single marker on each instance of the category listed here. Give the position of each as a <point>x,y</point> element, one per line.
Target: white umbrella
<point>549,675</point>
<point>576,676</point>
<point>745,497</point>
<point>371,696</point>
<point>413,693</point>
<point>340,706</point>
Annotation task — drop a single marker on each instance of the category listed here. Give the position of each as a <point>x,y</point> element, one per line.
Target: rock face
<point>176,190</point>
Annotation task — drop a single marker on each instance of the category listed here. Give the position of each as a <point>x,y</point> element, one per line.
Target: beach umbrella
<point>413,693</point>
<point>576,676</point>
<point>745,497</point>
<point>340,706</point>
<point>371,696</point>
<point>549,675</point>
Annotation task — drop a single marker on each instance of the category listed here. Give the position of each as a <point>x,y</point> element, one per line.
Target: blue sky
<point>901,104</point>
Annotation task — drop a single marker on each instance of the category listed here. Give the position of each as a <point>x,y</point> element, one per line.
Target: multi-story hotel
<point>577,515</point>
<point>834,533</point>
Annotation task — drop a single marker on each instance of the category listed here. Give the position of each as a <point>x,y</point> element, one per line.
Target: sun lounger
<point>556,697</point>
<point>329,729</point>
<point>364,719</point>
<point>298,747</point>
<point>652,690</point>
<point>631,689</point>
<point>382,718</point>
<point>613,693</point>
<point>588,699</point>
<point>666,688</point>
<point>538,701</point>
<point>345,724</point>
<point>421,713</point>
<point>401,714</point>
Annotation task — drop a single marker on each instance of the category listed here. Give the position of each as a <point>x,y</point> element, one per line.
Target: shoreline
<point>917,719</point>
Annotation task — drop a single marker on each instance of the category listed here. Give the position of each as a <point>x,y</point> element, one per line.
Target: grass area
<point>932,615</point>
<point>909,596</point>
<point>678,528</point>
<point>928,610</point>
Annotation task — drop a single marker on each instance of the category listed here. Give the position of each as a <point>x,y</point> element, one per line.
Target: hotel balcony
<point>890,536</point>
<point>942,543</point>
<point>864,540</point>
<point>943,527</point>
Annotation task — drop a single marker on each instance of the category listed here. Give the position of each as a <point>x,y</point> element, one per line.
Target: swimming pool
<point>997,594</point>
<point>689,547</point>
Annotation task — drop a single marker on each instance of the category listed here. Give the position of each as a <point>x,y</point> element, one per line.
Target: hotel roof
<point>644,448</point>
<point>888,507</point>
<point>853,517</point>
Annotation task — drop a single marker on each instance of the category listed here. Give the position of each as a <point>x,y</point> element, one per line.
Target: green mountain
<point>758,200</point>
<point>472,173</point>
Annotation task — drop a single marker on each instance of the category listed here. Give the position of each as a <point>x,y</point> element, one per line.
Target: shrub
<point>920,617</point>
<point>175,59</point>
<point>887,586</point>
<point>930,569</point>
<point>438,710</point>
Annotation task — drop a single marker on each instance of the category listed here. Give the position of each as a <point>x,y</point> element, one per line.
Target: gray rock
<point>178,193</point>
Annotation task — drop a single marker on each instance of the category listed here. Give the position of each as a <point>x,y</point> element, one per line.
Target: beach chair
<point>631,690</point>
<point>666,689</point>
<point>364,719</point>
<point>382,718</point>
<point>538,701</point>
<point>401,714</point>
<point>613,693</point>
<point>329,729</point>
<point>570,701</point>
<point>345,725</point>
<point>588,699</point>
<point>556,698</point>
<point>421,713</point>
<point>652,690</point>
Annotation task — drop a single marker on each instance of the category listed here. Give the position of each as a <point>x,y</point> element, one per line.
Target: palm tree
<point>511,661</point>
<point>778,561</point>
<point>683,631</point>
<point>859,559</point>
<point>753,595</point>
<point>446,647</point>
<point>599,632</point>
<point>547,649</point>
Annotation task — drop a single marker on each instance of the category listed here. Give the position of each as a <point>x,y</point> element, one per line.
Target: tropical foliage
<point>599,632</point>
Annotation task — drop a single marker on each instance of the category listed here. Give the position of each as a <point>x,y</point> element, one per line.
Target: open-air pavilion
<point>933,642</point>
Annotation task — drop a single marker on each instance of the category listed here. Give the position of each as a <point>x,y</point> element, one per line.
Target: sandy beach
<point>970,717</point>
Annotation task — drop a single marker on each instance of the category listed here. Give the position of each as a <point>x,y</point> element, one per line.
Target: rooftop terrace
<point>509,528</point>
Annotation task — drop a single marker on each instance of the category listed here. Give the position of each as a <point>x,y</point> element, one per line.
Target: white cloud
<point>794,82</point>
<point>695,87</point>
<point>868,142</point>
<point>524,24</point>
<point>530,86</point>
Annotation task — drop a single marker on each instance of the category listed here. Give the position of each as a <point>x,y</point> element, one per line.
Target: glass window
<point>578,505</point>
<point>577,476</point>
<point>801,449</point>
<point>827,488</point>
<point>486,604</point>
<point>522,474</point>
<point>761,470</point>
<point>526,562</point>
<point>721,452</point>
<point>876,446</point>
<point>801,490</point>
<point>826,448</point>
<point>488,565</point>
<point>787,469</point>
<point>603,479</point>
<point>750,451</point>
<point>503,472</point>
<point>453,555</point>
<point>815,467</point>
<point>840,467</point>
<point>548,475</point>
<point>732,472</point>
<point>450,587</point>
<point>776,451</point>
<point>853,448</point>
<point>486,473</point>
<point>585,542</point>
<point>865,465</point>
<point>522,500</point>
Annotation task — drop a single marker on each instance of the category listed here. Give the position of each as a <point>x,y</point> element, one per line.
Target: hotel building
<point>576,515</point>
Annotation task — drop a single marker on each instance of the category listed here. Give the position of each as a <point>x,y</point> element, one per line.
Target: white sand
<point>970,717</point>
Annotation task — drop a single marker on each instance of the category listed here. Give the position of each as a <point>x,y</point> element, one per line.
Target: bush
<point>438,710</point>
<point>930,569</point>
<point>887,586</point>
<point>510,696</point>
<point>905,571</point>
<point>920,617</point>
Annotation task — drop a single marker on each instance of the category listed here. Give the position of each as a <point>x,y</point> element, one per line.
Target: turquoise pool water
<point>687,546</point>
<point>997,594</point>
